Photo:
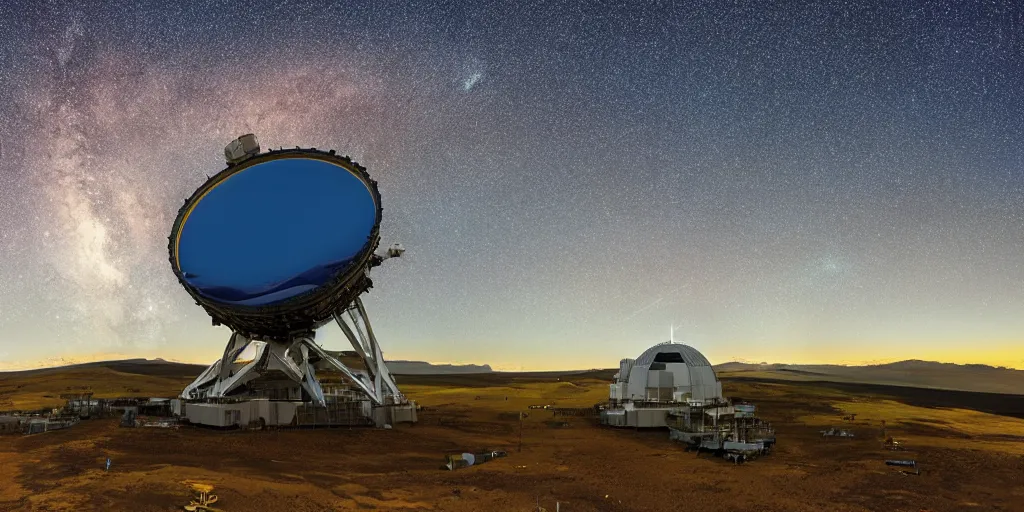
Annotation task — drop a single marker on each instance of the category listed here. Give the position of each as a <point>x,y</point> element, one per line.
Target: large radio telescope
<point>275,246</point>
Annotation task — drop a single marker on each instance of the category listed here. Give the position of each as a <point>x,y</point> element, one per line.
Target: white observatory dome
<point>667,372</point>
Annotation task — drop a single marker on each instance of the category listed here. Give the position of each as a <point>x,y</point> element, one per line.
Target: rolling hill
<point>913,373</point>
<point>424,368</point>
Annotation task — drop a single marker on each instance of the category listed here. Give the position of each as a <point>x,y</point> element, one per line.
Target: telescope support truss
<point>292,359</point>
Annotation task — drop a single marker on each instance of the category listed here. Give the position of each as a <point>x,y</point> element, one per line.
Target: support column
<point>293,360</point>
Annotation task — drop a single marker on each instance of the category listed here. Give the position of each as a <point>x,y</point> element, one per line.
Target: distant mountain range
<point>914,373</point>
<point>162,367</point>
<point>424,368</point>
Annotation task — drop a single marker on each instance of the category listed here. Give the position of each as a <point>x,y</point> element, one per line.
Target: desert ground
<point>969,460</point>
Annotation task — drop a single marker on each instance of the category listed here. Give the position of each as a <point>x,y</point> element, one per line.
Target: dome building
<point>663,378</point>
<point>667,372</point>
<point>673,385</point>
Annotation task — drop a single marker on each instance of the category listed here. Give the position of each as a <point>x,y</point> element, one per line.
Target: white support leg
<point>223,374</point>
<point>309,382</point>
<point>356,325</point>
<point>381,373</point>
<point>293,360</point>
<point>222,387</point>
<point>363,386</point>
<point>235,346</point>
<point>210,373</point>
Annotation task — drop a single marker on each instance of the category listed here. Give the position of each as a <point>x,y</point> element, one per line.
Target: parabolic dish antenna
<point>274,246</point>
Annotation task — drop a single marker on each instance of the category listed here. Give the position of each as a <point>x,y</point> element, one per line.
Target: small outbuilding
<point>10,425</point>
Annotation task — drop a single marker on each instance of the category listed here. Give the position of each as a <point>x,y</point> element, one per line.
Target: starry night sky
<point>785,182</point>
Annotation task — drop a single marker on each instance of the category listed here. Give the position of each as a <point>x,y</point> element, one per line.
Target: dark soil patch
<point>992,403</point>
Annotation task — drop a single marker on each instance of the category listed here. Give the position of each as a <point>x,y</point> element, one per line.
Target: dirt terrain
<point>969,460</point>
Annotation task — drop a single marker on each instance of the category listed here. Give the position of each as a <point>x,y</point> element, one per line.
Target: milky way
<point>827,183</point>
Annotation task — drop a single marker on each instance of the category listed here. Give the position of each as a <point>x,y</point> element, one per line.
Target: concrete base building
<point>262,413</point>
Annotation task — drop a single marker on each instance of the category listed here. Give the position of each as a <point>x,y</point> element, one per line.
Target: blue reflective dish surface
<point>275,230</point>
